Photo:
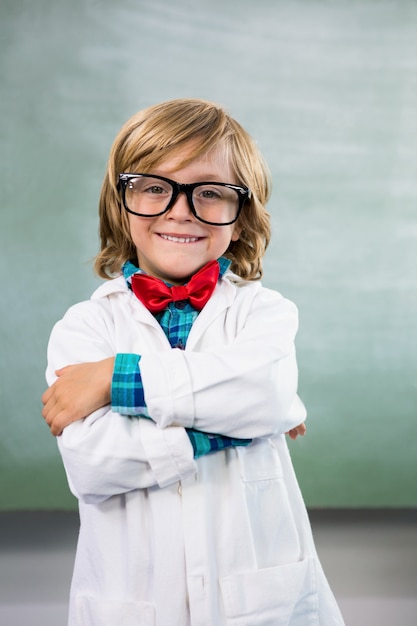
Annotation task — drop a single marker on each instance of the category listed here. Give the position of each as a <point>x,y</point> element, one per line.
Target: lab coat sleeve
<point>242,386</point>
<point>106,453</point>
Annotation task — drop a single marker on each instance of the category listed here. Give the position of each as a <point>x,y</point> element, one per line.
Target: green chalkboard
<point>329,90</point>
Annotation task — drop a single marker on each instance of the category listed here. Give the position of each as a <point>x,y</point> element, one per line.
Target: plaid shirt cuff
<point>204,443</point>
<point>127,397</point>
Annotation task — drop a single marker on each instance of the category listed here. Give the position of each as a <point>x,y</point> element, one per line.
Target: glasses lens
<point>147,195</point>
<point>215,203</point>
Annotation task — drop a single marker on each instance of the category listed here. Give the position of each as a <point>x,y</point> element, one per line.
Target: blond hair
<point>162,131</point>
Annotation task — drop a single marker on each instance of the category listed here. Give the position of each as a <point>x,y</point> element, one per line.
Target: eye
<point>154,189</point>
<point>150,187</point>
<point>209,193</point>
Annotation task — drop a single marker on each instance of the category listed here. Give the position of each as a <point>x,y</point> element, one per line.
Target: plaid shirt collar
<point>129,269</point>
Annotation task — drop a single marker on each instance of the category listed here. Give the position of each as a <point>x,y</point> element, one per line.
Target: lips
<point>179,239</point>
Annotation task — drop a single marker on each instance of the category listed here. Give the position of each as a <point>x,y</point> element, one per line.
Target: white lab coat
<point>166,540</point>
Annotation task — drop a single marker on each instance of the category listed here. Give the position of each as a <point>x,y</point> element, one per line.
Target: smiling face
<point>175,245</point>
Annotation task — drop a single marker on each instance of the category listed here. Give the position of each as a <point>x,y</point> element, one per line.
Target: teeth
<point>180,239</point>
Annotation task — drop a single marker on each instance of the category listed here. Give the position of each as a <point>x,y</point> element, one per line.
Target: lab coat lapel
<point>222,298</point>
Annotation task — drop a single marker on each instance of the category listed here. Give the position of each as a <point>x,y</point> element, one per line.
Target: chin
<point>182,276</point>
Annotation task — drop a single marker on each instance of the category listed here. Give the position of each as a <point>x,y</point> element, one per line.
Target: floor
<point>369,557</point>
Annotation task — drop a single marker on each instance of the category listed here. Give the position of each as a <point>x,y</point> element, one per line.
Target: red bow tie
<point>156,296</point>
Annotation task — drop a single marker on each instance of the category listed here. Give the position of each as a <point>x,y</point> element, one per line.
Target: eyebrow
<point>170,174</point>
<point>205,178</point>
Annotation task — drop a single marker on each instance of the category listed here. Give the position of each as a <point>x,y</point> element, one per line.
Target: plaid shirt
<point>127,389</point>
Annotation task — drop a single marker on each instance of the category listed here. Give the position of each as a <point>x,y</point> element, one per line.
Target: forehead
<point>216,160</point>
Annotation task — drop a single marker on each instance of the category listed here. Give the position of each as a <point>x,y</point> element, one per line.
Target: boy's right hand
<point>78,391</point>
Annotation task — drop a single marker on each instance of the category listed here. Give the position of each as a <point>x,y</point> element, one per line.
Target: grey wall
<point>329,90</point>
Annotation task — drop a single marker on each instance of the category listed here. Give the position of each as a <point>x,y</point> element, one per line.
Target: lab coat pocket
<point>276,596</point>
<point>259,461</point>
<point>91,611</point>
<point>274,534</point>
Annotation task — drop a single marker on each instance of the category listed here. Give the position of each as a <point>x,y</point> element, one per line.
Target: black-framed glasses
<point>149,195</point>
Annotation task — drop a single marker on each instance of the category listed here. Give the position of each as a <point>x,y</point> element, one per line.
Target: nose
<point>181,209</point>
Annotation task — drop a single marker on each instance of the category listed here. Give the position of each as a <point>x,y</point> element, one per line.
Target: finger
<point>46,395</point>
<point>58,423</point>
<point>50,410</point>
<point>297,431</point>
<point>62,370</point>
<point>49,416</point>
<point>46,411</point>
<point>302,429</point>
<point>56,429</point>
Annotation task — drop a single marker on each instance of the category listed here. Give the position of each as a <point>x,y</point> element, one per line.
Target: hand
<point>78,391</point>
<point>298,430</point>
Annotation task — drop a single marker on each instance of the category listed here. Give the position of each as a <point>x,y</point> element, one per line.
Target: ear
<point>236,232</point>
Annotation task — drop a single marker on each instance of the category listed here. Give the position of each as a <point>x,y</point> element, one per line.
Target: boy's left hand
<point>78,391</point>
<point>298,430</point>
